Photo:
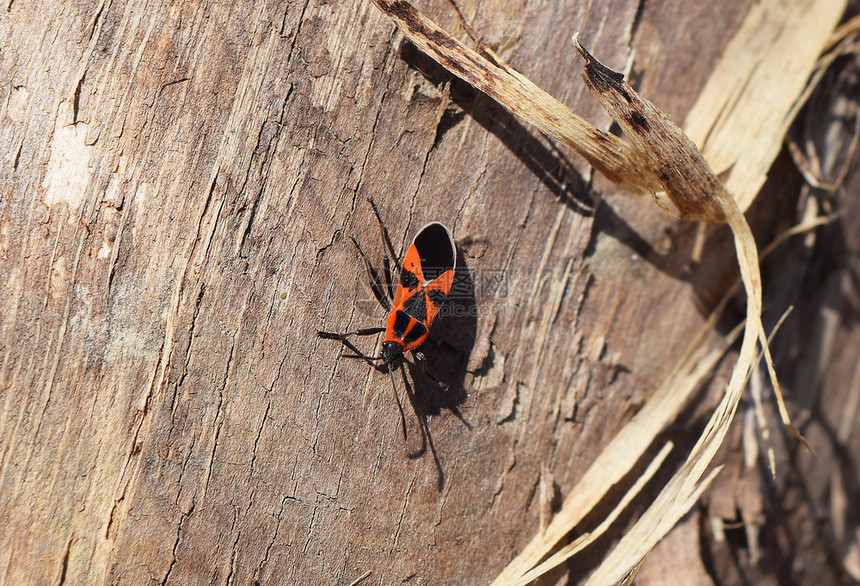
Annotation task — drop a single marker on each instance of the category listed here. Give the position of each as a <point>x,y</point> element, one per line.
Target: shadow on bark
<point>452,339</point>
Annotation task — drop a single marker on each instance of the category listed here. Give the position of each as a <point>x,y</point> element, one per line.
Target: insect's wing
<point>437,292</point>
<point>438,259</point>
<point>436,250</point>
<point>411,277</point>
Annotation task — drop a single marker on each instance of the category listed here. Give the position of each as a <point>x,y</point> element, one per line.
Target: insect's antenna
<point>399,406</point>
<point>373,277</point>
<point>383,231</point>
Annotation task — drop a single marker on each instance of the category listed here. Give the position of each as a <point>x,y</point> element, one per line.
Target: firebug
<point>424,282</point>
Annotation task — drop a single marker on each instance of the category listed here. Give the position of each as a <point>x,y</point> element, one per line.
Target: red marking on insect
<point>426,278</point>
<point>425,281</point>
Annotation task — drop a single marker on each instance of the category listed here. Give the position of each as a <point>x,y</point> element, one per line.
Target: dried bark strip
<point>667,152</point>
<point>608,154</point>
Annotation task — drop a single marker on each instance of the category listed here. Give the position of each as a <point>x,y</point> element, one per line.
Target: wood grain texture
<point>177,186</point>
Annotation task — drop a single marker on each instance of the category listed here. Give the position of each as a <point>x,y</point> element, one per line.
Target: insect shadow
<point>447,350</point>
<point>433,282</point>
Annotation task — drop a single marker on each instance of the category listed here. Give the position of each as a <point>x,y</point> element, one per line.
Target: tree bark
<point>179,185</point>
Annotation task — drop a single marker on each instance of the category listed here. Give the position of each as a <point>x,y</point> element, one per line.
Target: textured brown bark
<point>178,184</point>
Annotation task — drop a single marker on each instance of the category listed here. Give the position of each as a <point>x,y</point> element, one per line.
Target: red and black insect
<point>425,281</point>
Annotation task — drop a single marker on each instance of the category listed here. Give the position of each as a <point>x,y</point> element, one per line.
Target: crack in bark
<point>310,528</point>
<point>265,166</point>
<point>403,509</point>
<point>216,217</point>
<point>191,328</point>
<point>265,560</point>
<point>117,241</point>
<point>511,462</point>
<point>96,21</point>
<point>183,517</point>
<point>218,418</point>
<point>17,158</point>
<point>257,440</point>
<point>64,565</point>
<point>369,146</point>
<point>183,469</point>
<point>300,20</point>
<point>233,558</point>
<point>76,97</point>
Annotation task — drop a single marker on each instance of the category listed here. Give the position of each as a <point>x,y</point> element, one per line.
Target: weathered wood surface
<point>178,184</point>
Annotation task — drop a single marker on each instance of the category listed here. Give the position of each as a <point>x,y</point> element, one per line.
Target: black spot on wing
<point>408,279</point>
<point>401,322</point>
<point>416,306</point>
<point>414,334</point>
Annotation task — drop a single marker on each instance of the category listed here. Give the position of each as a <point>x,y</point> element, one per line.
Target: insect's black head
<point>391,351</point>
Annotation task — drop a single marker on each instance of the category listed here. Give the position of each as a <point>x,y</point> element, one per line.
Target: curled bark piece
<point>608,154</point>
<point>668,153</point>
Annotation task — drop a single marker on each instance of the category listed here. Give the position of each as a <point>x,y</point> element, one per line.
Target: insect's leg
<point>420,358</point>
<point>370,360</point>
<point>342,336</point>
<point>386,250</point>
<point>373,277</point>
